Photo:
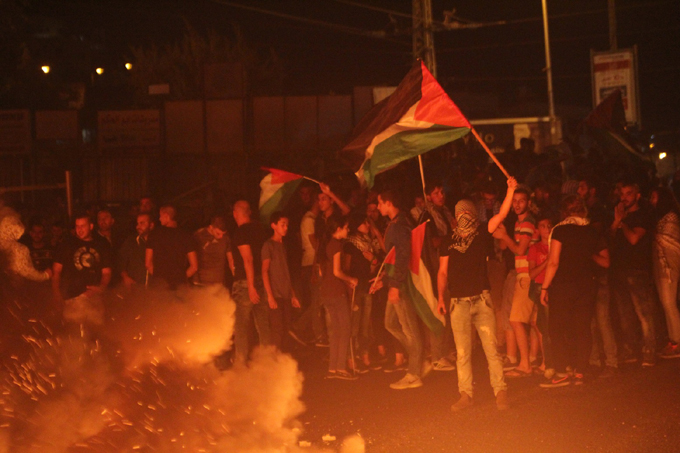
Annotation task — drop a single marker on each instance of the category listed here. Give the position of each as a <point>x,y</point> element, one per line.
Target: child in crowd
<point>276,279</point>
<point>334,285</point>
<point>538,260</point>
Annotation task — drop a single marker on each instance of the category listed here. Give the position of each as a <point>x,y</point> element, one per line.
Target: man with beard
<point>133,252</point>
<point>462,268</point>
<point>523,311</point>
<point>630,275</point>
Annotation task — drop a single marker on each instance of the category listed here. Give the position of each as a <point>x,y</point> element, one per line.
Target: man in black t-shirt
<point>462,268</point>
<point>630,273</point>
<point>82,265</point>
<point>248,289</point>
<point>170,254</point>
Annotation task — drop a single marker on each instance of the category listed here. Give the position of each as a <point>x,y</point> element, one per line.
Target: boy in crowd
<point>276,278</point>
<point>538,260</point>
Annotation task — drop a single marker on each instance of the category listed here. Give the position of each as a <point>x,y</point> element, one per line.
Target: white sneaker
<point>407,382</point>
<point>443,364</point>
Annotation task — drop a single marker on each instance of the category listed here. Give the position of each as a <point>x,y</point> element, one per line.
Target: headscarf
<point>468,224</point>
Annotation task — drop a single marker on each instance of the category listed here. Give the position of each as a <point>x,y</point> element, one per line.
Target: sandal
<point>517,374</point>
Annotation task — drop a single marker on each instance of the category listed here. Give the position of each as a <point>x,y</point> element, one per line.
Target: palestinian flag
<point>419,282</point>
<point>607,125</point>
<point>275,191</point>
<point>417,117</point>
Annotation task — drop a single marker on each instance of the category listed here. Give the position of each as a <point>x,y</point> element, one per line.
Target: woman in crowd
<point>334,289</point>
<point>666,260</point>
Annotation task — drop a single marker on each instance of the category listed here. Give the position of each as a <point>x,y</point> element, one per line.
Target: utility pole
<point>548,73</point>
<point>613,45</point>
<point>423,40</point>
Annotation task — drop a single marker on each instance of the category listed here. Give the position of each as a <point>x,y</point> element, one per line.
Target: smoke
<point>136,373</point>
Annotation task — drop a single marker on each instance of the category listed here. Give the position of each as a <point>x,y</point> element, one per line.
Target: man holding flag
<point>462,267</point>
<point>401,318</point>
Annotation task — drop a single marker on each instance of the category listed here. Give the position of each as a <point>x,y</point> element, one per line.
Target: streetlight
<point>99,71</point>
<point>45,69</point>
<point>128,66</point>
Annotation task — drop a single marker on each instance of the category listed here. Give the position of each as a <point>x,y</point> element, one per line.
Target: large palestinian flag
<point>417,117</point>
<point>419,282</point>
<point>275,191</point>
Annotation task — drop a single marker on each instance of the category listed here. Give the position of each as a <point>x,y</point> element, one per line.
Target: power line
<point>337,27</point>
<point>554,40</point>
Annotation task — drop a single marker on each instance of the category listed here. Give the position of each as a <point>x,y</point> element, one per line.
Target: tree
<point>181,65</point>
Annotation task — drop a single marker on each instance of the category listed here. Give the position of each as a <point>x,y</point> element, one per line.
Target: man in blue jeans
<point>248,290</point>
<point>401,319</point>
<point>462,267</point>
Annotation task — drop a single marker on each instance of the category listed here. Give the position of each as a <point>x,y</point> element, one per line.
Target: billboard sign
<point>617,70</point>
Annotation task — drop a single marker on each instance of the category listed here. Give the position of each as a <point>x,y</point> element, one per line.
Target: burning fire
<point>141,380</point>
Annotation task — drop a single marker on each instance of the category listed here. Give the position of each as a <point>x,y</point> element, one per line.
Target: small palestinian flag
<point>417,117</point>
<point>418,283</point>
<point>275,191</point>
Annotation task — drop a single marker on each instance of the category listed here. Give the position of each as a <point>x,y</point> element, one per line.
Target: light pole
<point>548,72</point>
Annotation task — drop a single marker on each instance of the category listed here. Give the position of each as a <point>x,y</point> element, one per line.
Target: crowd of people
<point>565,285</point>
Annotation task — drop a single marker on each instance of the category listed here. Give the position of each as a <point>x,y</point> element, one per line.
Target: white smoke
<point>143,380</point>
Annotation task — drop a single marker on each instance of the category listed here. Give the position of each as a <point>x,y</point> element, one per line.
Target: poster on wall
<point>617,70</point>
<point>129,129</point>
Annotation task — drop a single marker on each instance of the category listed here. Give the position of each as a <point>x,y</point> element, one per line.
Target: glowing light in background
<point>99,71</point>
<point>128,66</point>
<point>45,69</point>
<point>662,156</point>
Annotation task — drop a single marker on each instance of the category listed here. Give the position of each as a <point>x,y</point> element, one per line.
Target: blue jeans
<point>476,311</point>
<point>401,320</point>
<point>244,310</point>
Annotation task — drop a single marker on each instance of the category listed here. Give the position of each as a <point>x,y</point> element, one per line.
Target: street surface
<point>636,411</point>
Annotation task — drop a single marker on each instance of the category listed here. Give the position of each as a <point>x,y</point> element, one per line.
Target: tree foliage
<point>181,65</point>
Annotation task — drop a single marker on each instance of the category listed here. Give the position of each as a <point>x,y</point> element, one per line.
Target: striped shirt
<point>525,228</point>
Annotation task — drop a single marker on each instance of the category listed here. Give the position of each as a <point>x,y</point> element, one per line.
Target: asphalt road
<point>636,411</point>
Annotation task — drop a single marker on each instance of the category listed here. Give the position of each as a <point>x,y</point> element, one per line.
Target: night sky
<point>328,50</point>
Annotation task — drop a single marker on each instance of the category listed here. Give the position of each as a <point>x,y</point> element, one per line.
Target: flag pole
<point>422,175</point>
<point>310,179</point>
<point>486,148</point>
<point>377,276</point>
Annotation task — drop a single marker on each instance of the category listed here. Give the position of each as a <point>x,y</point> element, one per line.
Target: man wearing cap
<point>462,267</point>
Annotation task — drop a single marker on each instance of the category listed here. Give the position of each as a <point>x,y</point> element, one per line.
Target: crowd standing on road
<point>566,284</point>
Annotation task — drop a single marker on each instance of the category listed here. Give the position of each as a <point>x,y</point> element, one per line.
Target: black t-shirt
<point>467,272</point>
<point>359,266</point>
<point>253,235</point>
<point>82,263</point>
<point>170,248</point>
<point>42,257</point>
<point>626,256</point>
<point>579,244</point>
<point>331,286</point>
